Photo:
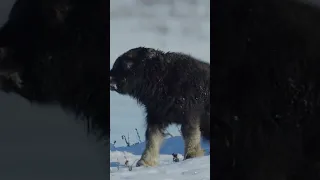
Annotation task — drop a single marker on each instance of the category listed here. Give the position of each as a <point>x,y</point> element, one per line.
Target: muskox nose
<point>113,84</point>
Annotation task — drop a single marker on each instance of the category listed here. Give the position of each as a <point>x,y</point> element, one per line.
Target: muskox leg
<point>192,138</point>
<point>154,139</point>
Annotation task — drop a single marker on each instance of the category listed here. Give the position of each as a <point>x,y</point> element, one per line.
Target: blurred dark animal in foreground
<point>265,90</point>
<point>54,52</point>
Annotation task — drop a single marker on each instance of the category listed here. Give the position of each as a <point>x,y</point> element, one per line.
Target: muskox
<point>55,52</point>
<point>173,88</point>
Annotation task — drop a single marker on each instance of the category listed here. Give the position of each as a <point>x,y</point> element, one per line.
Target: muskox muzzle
<point>113,84</point>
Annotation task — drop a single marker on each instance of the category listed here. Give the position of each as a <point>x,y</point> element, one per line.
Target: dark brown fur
<point>173,88</point>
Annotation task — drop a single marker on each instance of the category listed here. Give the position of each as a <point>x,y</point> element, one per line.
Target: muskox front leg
<point>154,139</point>
<point>192,139</point>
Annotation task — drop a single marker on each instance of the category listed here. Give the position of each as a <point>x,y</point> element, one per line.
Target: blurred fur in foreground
<point>54,52</point>
<point>265,90</point>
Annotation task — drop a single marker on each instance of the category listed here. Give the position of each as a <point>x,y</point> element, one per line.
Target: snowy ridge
<point>169,146</point>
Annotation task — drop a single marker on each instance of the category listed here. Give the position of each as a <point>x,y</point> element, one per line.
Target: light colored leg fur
<point>192,139</point>
<point>151,153</point>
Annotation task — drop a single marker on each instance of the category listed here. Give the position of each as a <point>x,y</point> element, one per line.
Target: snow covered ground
<point>191,169</point>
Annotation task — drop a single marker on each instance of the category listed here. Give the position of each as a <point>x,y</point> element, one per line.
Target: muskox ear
<point>151,53</point>
<point>156,58</point>
<point>156,55</point>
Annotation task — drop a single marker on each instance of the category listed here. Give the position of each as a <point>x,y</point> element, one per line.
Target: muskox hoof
<point>193,154</point>
<point>145,163</point>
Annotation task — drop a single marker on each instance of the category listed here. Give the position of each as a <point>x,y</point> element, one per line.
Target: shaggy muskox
<point>265,90</point>
<point>55,52</point>
<point>173,88</point>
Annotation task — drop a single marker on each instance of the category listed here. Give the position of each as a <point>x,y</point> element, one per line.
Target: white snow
<point>191,169</point>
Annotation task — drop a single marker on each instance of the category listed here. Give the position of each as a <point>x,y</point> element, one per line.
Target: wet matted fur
<point>265,90</point>
<point>173,88</point>
<point>55,52</point>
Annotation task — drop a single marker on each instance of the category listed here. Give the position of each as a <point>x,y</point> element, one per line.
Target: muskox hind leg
<point>192,139</point>
<point>154,139</point>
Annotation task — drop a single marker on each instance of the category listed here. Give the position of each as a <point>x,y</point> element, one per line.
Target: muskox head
<point>132,71</point>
